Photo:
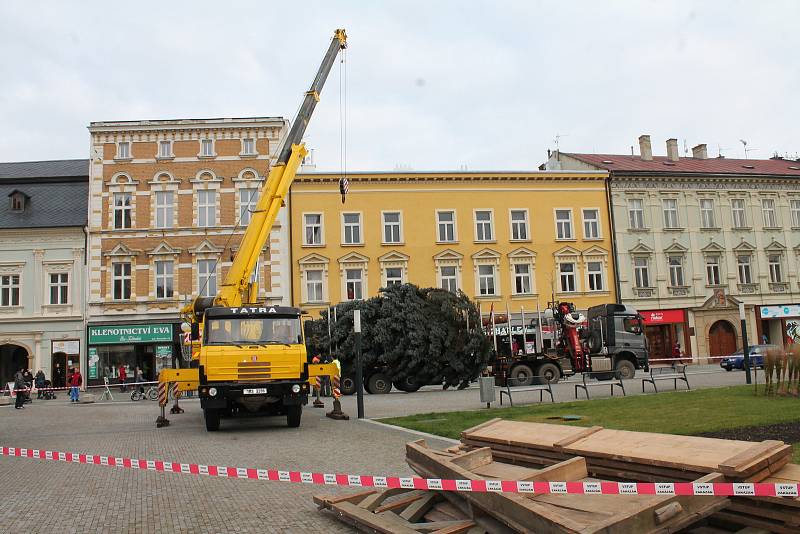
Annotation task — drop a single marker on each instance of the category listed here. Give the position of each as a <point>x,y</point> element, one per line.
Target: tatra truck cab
<point>252,360</point>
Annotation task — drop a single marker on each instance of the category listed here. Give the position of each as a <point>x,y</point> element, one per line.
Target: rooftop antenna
<point>685,148</point>
<point>746,150</point>
<point>719,151</point>
<point>558,138</point>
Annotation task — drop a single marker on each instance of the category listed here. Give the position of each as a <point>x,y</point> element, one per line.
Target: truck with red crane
<point>608,341</point>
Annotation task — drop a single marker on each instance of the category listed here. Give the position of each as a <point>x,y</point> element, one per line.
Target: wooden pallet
<point>569,513</point>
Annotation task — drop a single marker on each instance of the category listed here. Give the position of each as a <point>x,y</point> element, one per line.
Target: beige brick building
<point>168,204</point>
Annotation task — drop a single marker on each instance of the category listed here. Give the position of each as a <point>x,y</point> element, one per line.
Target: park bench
<point>615,382</point>
<point>510,388</point>
<point>667,372</point>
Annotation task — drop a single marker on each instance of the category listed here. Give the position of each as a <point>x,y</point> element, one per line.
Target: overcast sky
<point>430,85</point>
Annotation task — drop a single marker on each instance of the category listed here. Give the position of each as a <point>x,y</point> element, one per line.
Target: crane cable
<point>343,182</point>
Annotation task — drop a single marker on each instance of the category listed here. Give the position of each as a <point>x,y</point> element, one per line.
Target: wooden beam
<point>417,509</point>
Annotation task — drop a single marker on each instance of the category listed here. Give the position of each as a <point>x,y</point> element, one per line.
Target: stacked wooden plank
<point>642,456</point>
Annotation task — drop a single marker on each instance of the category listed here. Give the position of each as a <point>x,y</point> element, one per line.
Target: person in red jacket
<point>75,383</point>
<point>123,377</point>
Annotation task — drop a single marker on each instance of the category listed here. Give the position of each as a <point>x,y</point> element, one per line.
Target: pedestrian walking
<point>59,377</point>
<point>39,380</point>
<point>138,377</point>
<point>123,377</point>
<point>75,383</point>
<point>19,387</point>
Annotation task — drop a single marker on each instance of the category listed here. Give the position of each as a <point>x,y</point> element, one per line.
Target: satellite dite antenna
<point>746,150</point>
<point>685,148</point>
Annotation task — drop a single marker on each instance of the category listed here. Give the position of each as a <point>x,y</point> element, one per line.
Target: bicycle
<point>151,394</point>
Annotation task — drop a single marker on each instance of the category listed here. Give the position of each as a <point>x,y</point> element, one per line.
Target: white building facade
<point>42,266</point>
<point>696,236</point>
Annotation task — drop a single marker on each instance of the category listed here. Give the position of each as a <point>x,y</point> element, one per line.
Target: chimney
<point>645,150</point>
<point>672,149</point>
<point>700,151</point>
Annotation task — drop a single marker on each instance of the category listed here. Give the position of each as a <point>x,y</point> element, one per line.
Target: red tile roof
<point>619,162</point>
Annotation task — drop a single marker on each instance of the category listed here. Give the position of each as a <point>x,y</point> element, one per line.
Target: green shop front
<point>150,347</point>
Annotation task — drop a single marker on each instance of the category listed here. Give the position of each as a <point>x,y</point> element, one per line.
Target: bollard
<point>162,420</point>
<point>175,395</point>
<point>337,412</point>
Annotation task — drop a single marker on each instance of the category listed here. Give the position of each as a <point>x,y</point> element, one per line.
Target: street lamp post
<point>745,348</point>
<point>359,364</point>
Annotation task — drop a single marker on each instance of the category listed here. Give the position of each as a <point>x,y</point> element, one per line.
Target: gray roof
<point>57,193</point>
<point>62,168</point>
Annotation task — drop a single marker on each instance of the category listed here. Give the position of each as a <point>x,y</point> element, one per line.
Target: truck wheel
<point>347,385</point>
<point>293,415</point>
<point>379,384</point>
<point>212,419</point>
<point>547,373</point>
<point>522,375</point>
<point>408,384</point>
<point>625,369</point>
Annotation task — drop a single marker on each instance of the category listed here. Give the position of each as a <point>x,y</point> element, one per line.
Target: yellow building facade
<point>510,240</point>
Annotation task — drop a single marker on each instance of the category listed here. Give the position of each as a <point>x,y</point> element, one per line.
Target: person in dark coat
<point>39,380</point>
<point>19,386</point>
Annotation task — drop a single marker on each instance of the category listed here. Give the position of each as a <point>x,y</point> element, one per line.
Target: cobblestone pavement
<point>45,496</point>
<point>433,399</point>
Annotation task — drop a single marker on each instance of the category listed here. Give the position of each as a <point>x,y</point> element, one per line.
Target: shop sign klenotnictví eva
<point>137,333</point>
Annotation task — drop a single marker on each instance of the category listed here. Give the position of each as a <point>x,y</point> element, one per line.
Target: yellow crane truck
<point>248,357</point>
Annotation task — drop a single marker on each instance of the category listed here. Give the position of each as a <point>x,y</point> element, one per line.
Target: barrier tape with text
<point>482,486</point>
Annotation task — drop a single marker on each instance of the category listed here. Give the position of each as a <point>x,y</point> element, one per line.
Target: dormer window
<point>18,201</point>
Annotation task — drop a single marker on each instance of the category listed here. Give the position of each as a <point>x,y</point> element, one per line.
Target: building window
<point>566,273</point>
<point>9,290</point>
<point>248,198</point>
<point>164,209</point>
<point>738,212</point>
<point>165,279</point>
<point>312,228</point>
<point>675,271</point>
<point>122,210</point>
<point>641,272</point>
<point>449,278</point>
<point>353,284</point>
<point>391,227</point>
<point>670,212</point>
<point>18,201</point>
<point>594,270</point>
<point>121,280</point>
<point>206,148</point>
<point>707,213</point>
<point>745,274</point>
<point>775,274</point>
<point>712,271</point>
<point>446,222</point>
<point>207,278</point>
<point>59,288</point>
<point>124,150</point>
<point>165,149</point>
<point>564,224</point>
<point>486,281</point>
<point>636,213</point>
<point>352,229</point>
<point>519,225</point>
<point>591,224</point>
<point>314,286</point>
<point>206,208</point>
<point>794,205</point>
<point>248,146</point>
<point>483,226</point>
<point>522,278</point>
<point>768,210</point>
<point>394,276</point>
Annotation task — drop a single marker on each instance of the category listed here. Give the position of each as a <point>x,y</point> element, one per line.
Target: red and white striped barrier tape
<point>359,481</point>
<point>65,388</point>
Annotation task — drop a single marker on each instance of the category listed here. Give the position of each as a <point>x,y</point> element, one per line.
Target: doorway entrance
<point>12,357</point>
<point>721,339</point>
<point>59,372</point>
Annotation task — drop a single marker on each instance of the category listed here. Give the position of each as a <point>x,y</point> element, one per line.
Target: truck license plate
<point>255,391</point>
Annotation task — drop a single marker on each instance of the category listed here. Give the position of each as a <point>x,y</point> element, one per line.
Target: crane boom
<point>237,288</point>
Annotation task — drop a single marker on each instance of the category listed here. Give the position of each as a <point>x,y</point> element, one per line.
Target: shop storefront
<point>779,325</point>
<point>150,347</point>
<point>665,328</point>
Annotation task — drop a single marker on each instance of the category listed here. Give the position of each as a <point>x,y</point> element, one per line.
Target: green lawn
<point>690,412</point>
